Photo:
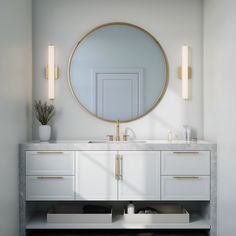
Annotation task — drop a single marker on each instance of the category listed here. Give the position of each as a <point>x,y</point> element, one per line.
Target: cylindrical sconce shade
<point>185,71</point>
<point>51,72</point>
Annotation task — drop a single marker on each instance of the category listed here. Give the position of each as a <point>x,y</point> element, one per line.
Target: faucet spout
<point>118,131</point>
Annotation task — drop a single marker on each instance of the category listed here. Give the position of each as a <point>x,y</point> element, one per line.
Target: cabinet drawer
<point>50,163</point>
<point>185,188</point>
<point>185,163</point>
<point>49,188</point>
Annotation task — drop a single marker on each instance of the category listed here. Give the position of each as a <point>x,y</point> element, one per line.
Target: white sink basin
<point>121,142</point>
<point>97,141</point>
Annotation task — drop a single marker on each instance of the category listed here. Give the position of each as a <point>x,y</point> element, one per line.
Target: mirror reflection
<point>118,71</point>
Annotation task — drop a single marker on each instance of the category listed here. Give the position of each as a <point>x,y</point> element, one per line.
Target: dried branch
<point>44,112</point>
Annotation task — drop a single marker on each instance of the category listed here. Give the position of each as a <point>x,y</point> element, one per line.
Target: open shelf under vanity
<point>199,218</point>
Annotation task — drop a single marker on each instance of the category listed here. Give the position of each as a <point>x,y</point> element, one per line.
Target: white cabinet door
<point>140,175</point>
<point>185,163</point>
<point>50,188</point>
<point>49,163</point>
<point>185,188</point>
<point>95,175</point>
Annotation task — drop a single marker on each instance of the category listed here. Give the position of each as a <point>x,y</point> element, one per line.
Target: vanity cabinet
<point>118,175</point>
<point>114,174</point>
<point>121,175</point>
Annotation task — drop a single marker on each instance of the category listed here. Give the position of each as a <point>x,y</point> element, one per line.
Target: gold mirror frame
<point>157,43</point>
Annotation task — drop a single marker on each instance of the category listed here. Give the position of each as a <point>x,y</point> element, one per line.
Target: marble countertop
<point>145,145</point>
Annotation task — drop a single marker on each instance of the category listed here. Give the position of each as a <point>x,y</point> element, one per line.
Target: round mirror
<point>118,71</point>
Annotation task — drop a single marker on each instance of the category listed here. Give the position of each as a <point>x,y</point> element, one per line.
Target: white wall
<point>15,68</point>
<point>173,23</point>
<point>220,102</point>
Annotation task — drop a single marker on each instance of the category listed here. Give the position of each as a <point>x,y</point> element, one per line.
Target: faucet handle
<point>110,138</point>
<point>125,137</point>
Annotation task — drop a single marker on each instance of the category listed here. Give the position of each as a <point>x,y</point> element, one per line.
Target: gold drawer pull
<point>42,152</point>
<point>186,177</point>
<point>50,177</point>
<point>187,152</point>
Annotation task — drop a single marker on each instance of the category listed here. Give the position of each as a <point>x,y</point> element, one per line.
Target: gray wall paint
<point>219,100</point>
<point>15,77</point>
<point>173,23</point>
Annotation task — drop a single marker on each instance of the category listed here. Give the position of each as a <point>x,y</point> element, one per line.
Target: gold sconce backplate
<point>56,72</point>
<point>180,72</point>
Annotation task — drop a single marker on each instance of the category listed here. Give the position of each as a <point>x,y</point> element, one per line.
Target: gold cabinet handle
<point>110,138</point>
<point>117,167</point>
<point>125,137</point>
<point>47,152</point>
<point>50,177</point>
<point>186,177</point>
<point>120,166</point>
<point>187,152</point>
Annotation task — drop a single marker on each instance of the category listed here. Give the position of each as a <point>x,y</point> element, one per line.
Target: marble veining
<point>148,145</point>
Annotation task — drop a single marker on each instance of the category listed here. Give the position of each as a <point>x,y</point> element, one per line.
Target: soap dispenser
<point>130,208</point>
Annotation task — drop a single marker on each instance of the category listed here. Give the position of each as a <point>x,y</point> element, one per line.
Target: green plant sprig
<point>44,112</point>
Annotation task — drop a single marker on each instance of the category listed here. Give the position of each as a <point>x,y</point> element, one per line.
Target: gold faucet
<point>118,131</point>
<point>117,137</point>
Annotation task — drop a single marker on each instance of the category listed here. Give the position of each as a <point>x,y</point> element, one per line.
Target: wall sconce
<point>185,71</point>
<point>51,72</point>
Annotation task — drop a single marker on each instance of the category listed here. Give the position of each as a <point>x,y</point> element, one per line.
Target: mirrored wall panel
<point>118,71</point>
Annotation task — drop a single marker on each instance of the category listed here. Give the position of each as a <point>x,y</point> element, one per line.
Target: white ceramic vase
<point>44,133</point>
